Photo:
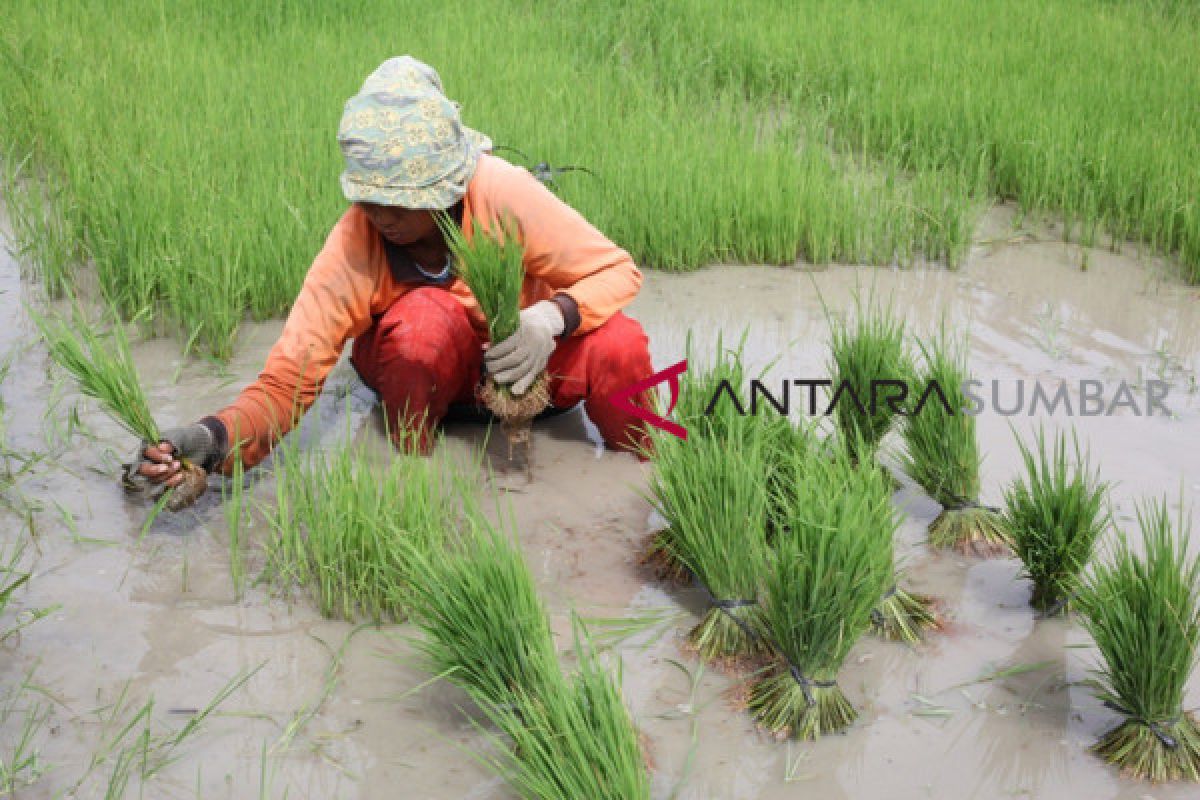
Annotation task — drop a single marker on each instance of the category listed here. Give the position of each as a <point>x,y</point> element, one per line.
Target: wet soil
<point>156,611</point>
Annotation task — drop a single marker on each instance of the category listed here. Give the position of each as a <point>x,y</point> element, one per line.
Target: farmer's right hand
<point>160,463</point>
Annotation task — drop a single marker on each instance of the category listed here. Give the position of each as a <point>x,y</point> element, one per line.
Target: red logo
<point>622,399</point>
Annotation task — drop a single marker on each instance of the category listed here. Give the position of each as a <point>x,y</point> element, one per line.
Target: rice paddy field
<point>1022,175</point>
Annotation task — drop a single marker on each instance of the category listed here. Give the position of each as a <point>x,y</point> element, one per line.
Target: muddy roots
<point>1146,752</point>
<point>786,707</point>
<point>730,638</point>
<point>972,531</point>
<point>515,412</point>
<point>904,616</point>
<point>195,483</point>
<point>660,559</point>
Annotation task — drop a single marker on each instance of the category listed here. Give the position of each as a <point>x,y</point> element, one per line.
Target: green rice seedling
<point>104,370</point>
<point>348,528</point>
<point>491,263</point>
<point>712,491</point>
<point>942,452</point>
<point>485,627</point>
<point>903,615</point>
<point>577,740</point>
<point>824,577</point>
<point>1055,514</point>
<point>1143,612</point>
<point>865,352</point>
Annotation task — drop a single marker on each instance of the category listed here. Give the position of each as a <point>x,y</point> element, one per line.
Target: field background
<point>187,149</point>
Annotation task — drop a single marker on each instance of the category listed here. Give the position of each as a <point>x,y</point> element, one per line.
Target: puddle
<point>160,615</point>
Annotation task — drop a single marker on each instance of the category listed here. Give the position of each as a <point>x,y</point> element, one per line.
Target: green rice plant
<point>865,352</point>
<point>103,368</point>
<point>942,451</point>
<point>348,528</point>
<point>713,493</point>
<point>1055,514</point>
<point>491,263</point>
<point>824,577</point>
<point>1143,612</point>
<point>576,740</point>
<point>485,627</point>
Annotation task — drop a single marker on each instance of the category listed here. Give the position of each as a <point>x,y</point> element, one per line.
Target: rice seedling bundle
<point>864,352</point>
<point>491,263</point>
<point>825,575</point>
<point>697,411</point>
<point>103,368</point>
<point>576,740</point>
<point>1055,515</point>
<point>349,528</point>
<point>713,493</point>
<point>485,627</point>
<point>942,452</point>
<point>1143,612</point>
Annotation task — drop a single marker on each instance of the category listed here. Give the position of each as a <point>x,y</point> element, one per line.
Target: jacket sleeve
<point>564,251</point>
<point>333,306</point>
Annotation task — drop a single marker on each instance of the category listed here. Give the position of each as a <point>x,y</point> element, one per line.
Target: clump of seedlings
<point>868,365</point>
<point>491,263</point>
<point>575,740</point>
<point>713,493</point>
<point>1055,514</point>
<point>1143,612</point>
<point>104,369</point>
<point>348,527</point>
<point>485,627</point>
<point>942,452</point>
<point>826,573</point>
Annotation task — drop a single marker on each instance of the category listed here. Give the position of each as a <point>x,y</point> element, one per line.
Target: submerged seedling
<point>942,451</point>
<point>1143,612</point>
<point>825,575</point>
<point>1055,514</point>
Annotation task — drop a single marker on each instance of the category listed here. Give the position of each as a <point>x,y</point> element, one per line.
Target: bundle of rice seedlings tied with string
<point>942,451</point>
<point>491,263</point>
<point>868,364</point>
<point>103,367</point>
<point>825,575</point>
<point>1143,612</point>
<point>485,627</point>
<point>697,412</point>
<point>1055,514</point>
<point>712,491</point>
<point>575,740</point>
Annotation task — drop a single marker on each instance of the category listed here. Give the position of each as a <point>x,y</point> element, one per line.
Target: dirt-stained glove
<point>193,449</point>
<point>517,361</point>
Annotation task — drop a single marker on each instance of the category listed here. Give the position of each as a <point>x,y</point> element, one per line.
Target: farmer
<point>385,279</point>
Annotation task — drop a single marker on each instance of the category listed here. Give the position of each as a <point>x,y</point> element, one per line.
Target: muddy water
<point>159,616</point>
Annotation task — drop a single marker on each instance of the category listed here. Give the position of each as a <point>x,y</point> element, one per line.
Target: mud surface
<point>157,613</point>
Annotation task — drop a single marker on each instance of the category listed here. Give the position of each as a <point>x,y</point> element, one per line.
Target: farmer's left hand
<point>518,360</point>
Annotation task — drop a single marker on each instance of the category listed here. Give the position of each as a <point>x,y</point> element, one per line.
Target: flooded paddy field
<point>994,706</point>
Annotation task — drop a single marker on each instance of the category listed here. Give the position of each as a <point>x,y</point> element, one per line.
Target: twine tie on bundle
<point>1169,741</point>
<point>807,684</point>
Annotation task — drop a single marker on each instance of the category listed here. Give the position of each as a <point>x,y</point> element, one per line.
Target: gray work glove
<point>517,361</point>
<point>194,443</point>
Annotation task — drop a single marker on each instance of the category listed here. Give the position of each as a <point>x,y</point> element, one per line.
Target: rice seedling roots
<point>1157,752</point>
<point>661,561</point>
<point>515,412</point>
<point>904,616</point>
<point>194,484</point>
<point>787,703</point>
<point>731,636</point>
<point>972,530</point>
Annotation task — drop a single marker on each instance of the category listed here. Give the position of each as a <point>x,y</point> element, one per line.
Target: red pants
<point>422,355</point>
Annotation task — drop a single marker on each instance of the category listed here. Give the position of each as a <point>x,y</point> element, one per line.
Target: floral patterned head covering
<point>403,141</point>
